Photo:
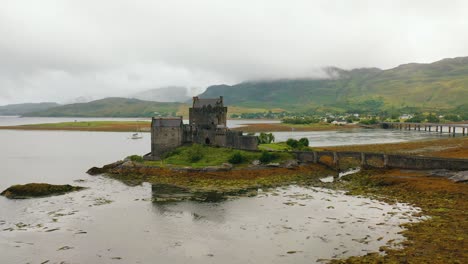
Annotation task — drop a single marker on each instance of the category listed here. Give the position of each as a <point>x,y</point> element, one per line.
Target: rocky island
<point>32,190</point>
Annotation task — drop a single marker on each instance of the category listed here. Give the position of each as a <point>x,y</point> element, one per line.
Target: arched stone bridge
<point>452,129</point>
<point>380,160</point>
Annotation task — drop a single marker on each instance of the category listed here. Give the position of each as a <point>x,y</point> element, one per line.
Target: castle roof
<point>201,102</point>
<point>167,122</point>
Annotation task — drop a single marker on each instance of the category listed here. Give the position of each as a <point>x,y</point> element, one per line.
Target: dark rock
<point>128,164</point>
<point>172,193</point>
<point>289,164</point>
<point>31,190</point>
<point>95,171</point>
<point>105,168</point>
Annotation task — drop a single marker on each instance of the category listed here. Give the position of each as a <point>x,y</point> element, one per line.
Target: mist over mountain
<point>20,109</point>
<point>111,107</point>
<point>443,84</point>
<point>164,94</point>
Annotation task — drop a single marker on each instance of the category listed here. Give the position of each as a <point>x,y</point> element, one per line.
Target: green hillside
<point>442,84</point>
<point>111,107</point>
<point>20,109</point>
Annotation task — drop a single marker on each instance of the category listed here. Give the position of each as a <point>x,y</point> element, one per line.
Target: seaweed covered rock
<point>292,163</point>
<point>105,168</point>
<point>32,190</point>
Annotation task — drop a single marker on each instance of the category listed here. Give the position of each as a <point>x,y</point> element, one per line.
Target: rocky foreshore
<point>128,166</point>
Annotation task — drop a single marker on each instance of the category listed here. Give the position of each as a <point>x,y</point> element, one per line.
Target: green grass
<point>211,156</point>
<point>281,146</point>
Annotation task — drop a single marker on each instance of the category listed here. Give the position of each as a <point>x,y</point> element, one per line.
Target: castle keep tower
<point>166,134</point>
<point>208,113</point>
<point>207,126</point>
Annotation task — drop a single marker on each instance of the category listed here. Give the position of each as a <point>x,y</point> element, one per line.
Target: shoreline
<point>452,147</point>
<point>145,126</point>
<point>282,127</point>
<point>437,239</point>
<point>444,202</point>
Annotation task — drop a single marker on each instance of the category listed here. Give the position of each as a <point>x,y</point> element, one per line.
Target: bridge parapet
<point>452,129</point>
<point>382,160</point>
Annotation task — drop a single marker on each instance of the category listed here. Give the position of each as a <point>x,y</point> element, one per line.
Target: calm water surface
<point>15,120</point>
<point>114,223</point>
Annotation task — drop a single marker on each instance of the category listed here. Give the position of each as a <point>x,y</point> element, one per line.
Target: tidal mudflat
<point>111,221</point>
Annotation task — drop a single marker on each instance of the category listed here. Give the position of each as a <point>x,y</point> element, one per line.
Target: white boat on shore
<point>137,135</point>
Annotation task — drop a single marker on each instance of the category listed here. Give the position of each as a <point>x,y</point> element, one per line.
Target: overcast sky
<point>60,50</point>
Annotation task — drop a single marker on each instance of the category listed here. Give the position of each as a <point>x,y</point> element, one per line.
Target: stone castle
<point>207,126</point>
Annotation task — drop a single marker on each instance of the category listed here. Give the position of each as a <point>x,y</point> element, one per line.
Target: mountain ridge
<point>111,107</point>
<point>20,109</point>
<point>443,83</point>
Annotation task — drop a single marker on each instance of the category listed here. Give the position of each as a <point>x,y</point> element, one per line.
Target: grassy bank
<point>447,147</point>
<point>198,156</point>
<point>243,175</point>
<point>109,126</point>
<point>280,146</point>
<point>282,127</point>
<point>129,126</point>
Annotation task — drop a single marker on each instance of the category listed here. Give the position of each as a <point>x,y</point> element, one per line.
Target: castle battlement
<point>207,126</point>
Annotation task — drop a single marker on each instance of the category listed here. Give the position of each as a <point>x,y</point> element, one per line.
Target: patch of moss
<point>31,190</point>
<point>199,156</point>
<point>136,158</point>
<point>280,146</point>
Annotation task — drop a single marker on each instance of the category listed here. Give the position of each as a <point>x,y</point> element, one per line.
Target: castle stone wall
<point>164,139</point>
<point>207,126</point>
<point>235,139</point>
<point>208,117</point>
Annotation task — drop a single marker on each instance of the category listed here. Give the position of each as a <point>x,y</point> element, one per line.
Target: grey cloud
<point>58,50</point>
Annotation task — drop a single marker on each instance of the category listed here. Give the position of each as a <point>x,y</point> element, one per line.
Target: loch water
<point>114,223</point>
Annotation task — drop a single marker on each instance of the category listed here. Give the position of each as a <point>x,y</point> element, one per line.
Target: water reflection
<point>166,193</point>
<point>194,211</point>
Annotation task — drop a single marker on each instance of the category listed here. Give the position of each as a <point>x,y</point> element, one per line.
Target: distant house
<point>406,116</point>
<point>207,126</point>
<point>339,123</point>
